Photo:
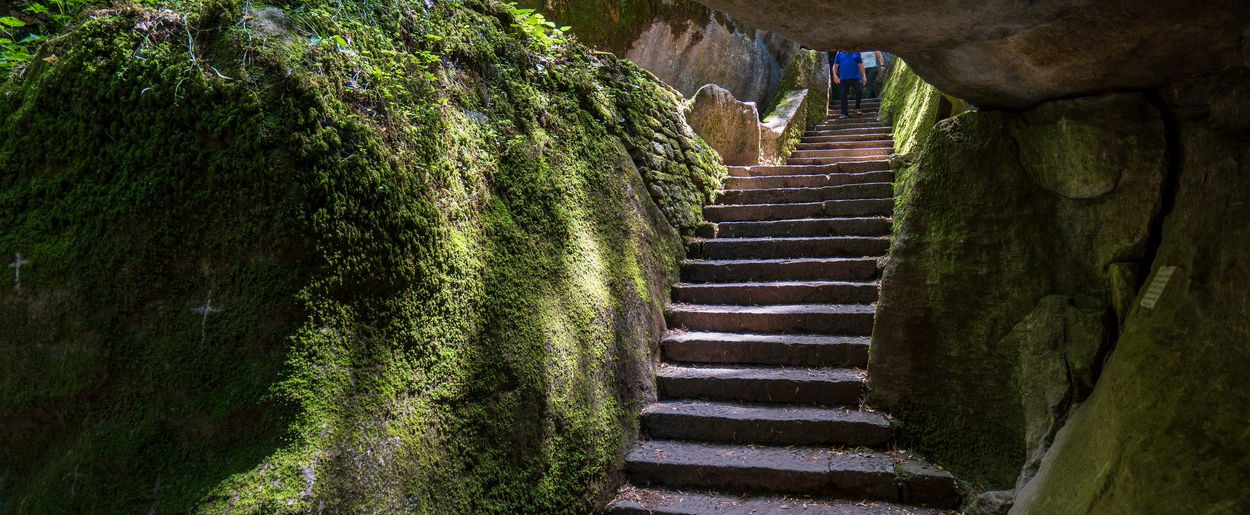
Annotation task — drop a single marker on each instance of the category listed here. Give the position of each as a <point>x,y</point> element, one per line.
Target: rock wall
<point>1164,430</point>
<point>1011,339</point>
<point>683,43</point>
<point>417,268</point>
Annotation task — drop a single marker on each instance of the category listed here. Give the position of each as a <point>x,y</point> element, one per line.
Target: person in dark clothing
<point>848,74</point>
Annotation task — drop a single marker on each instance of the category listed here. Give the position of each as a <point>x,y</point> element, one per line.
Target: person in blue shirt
<point>848,74</point>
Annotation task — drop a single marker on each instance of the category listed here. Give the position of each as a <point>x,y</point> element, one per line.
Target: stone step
<point>877,130</point>
<point>808,180</point>
<point>871,143</point>
<point>817,387</point>
<point>805,350</point>
<point>799,195</point>
<point>762,212</point>
<point>744,270</point>
<point>782,292</point>
<point>764,424</point>
<point>892,477</point>
<point>844,153</point>
<point>851,123</point>
<point>828,160</point>
<point>866,103</point>
<point>844,138</point>
<point>788,248</point>
<point>866,165</point>
<point>834,319</point>
<point>861,226</point>
<point>635,500</point>
<point>863,207</point>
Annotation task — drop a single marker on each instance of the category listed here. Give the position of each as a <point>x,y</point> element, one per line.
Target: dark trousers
<point>845,87</point>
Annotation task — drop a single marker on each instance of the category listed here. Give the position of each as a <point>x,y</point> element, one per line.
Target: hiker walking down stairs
<point>848,74</point>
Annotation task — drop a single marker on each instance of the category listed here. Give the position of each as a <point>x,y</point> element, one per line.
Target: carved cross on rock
<point>16,265</point>
<point>207,309</point>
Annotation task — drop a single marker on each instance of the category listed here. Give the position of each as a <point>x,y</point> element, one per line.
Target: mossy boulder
<point>728,125</point>
<point>975,348</point>
<point>394,257</point>
<point>1165,428</point>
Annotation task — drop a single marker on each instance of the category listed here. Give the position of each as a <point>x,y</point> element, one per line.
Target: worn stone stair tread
<point>792,470</point>
<point>842,138</point>
<point>789,247</point>
<point>747,270</point>
<point>823,309</point>
<point>851,123</point>
<point>814,226</point>
<point>878,143</point>
<point>871,190</point>
<point>634,500</point>
<point>841,151</point>
<point>764,424</point>
<point>777,292</point>
<point>859,165</point>
<point>805,350</point>
<point>787,385</point>
<point>849,130</point>
<point>848,319</point>
<point>811,180</point>
<point>799,210</point>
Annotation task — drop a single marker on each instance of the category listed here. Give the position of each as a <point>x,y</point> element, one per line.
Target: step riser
<point>848,131</point>
<point>857,166</point>
<point>767,353</point>
<point>851,124</point>
<point>808,181</point>
<point>847,138</point>
<point>799,228</point>
<point>851,324</point>
<point>848,270</point>
<point>846,145</point>
<point>802,195</point>
<point>821,161</point>
<point>789,249</point>
<point>882,207</point>
<point>816,393</point>
<point>879,153</point>
<point>759,295</point>
<point>775,212</point>
<point>677,426</point>
<point>879,486</point>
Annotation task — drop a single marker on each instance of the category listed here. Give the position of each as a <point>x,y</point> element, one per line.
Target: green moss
<point>912,107</point>
<point>614,25</point>
<point>807,70</point>
<point>434,250</point>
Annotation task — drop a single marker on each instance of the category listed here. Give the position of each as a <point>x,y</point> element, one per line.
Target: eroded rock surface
<point>1016,53</point>
<point>969,347</point>
<point>730,126</point>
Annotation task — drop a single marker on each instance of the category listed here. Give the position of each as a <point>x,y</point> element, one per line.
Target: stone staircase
<point>763,374</point>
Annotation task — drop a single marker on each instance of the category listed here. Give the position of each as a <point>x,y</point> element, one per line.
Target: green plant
<point>537,27</point>
<point>20,38</point>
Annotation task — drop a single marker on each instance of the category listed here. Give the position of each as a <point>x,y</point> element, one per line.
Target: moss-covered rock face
<point>386,257</point>
<point>1165,429</point>
<point>997,298</point>
<point>807,70</point>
